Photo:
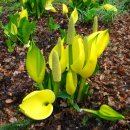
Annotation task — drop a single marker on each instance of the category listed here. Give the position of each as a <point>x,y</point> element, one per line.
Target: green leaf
<point>26,29</point>
<point>105,112</point>
<point>10,45</point>
<point>35,63</point>
<point>64,95</point>
<point>13,29</point>
<point>74,105</point>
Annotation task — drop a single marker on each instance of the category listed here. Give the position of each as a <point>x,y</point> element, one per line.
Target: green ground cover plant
<point>18,30</point>
<point>106,10</point>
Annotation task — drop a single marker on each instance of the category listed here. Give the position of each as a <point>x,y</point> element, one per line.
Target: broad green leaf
<point>78,54</point>
<point>38,104</point>
<point>64,95</point>
<point>106,112</point>
<point>26,29</point>
<point>35,63</point>
<point>13,29</point>
<point>56,69</point>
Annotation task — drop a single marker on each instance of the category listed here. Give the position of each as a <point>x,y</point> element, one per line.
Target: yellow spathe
<point>90,57</point>
<point>64,9</point>
<point>49,6</point>
<point>23,14</point>
<point>38,104</point>
<point>74,15</point>
<point>78,54</point>
<point>102,41</point>
<point>71,82</point>
<point>110,7</point>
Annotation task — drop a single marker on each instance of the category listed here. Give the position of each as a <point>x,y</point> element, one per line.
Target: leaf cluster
<point>18,31</point>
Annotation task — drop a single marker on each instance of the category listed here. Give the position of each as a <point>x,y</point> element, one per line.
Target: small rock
<point>13,119</point>
<point>8,101</point>
<point>7,60</point>
<point>128,100</point>
<point>122,122</point>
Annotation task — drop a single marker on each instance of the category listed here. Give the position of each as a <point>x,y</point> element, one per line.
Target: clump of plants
<point>18,30</point>
<point>70,64</point>
<point>38,7</point>
<point>106,10</point>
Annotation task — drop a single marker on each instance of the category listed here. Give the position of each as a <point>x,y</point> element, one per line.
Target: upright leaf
<point>35,63</point>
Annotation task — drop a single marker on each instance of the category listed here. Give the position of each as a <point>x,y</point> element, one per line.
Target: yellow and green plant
<point>18,30</point>
<point>38,7</point>
<point>70,65</point>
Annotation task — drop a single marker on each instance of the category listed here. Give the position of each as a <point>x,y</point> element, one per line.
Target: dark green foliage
<point>19,125</point>
<point>35,7</point>
<point>24,29</point>
<point>88,10</point>
<point>52,25</point>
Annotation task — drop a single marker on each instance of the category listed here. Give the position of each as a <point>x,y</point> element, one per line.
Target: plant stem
<point>40,85</point>
<point>81,87</point>
<point>56,88</point>
<point>90,111</point>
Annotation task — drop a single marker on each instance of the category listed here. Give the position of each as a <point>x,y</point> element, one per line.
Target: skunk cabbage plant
<point>70,64</point>
<point>38,7</point>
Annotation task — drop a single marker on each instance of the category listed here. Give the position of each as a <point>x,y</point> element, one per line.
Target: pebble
<point>13,119</point>
<point>128,100</point>
<point>8,101</point>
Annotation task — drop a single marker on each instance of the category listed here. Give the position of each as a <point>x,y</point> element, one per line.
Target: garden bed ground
<point>110,85</point>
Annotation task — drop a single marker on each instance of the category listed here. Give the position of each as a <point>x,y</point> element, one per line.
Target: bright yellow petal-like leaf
<point>64,9</point>
<point>38,104</point>
<point>13,29</point>
<point>49,6</point>
<point>102,42</point>
<point>74,15</point>
<point>64,58</point>
<point>78,54</point>
<point>110,7</point>
<point>23,14</point>
<point>91,57</point>
<point>70,85</point>
<point>35,63</point>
